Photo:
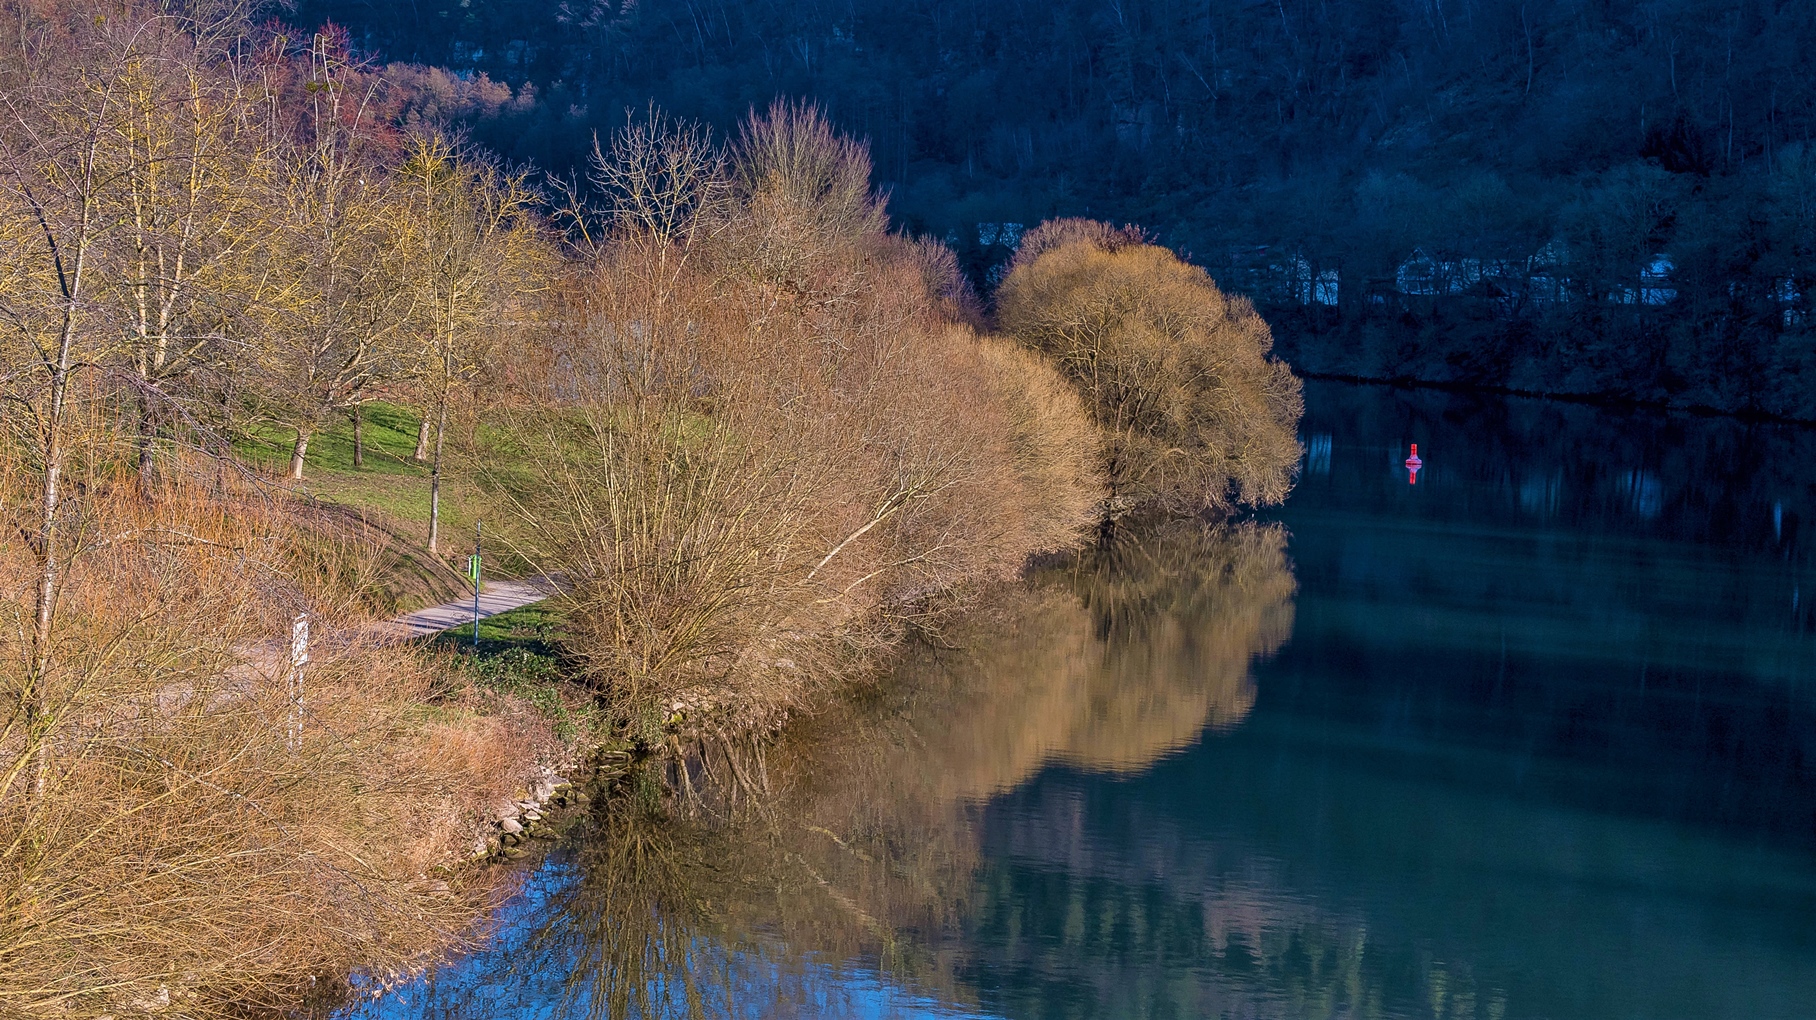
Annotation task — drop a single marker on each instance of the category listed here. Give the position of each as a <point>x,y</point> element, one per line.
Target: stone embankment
<point>544,810</point>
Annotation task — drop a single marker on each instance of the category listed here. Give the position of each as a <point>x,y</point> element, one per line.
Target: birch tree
<point>476,254</point>
<point>189,205</point>
<point>59,152</point>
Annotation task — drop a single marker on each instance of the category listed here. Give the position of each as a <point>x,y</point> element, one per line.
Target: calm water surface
<point>1534,737</point>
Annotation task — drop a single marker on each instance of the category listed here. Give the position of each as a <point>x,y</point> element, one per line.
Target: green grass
<point>390,482</point>
<point>390,434</point>
<point>536,629</point>
<point>520,654</point>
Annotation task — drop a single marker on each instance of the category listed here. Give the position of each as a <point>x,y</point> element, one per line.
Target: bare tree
<point>803,192</point>
<point>339,300</point>
<point>60,153</point>
<point>663,179</point>
<point>190,203</point>
<point>475,251</point>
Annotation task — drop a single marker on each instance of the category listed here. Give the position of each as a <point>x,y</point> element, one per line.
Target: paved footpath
<point>497,597</point>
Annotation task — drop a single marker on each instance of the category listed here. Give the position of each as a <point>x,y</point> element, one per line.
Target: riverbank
<point>1199,777</point>
<point>848,834</point>
<point>907,553</point>
<point>1654,357</point>
<point>759,436</point>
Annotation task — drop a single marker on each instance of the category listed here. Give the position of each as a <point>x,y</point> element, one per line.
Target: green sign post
<point>473,575</point>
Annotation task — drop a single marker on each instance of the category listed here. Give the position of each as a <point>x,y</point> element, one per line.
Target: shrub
<point>175,840</point>
<point>1194,413</point>
<point>756,468</point>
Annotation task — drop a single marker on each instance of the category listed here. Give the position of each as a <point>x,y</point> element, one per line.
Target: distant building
<point>1312,286</point>
<point>1548,276</point>
<point>1655,280</point>
<point>1325,292</point>
<point>1269,274</point>
<point>1009,235</point>
<point>1426,274</point>
<point>1790,300</point>
<point>1654,284</point>
<point>1542,281</point>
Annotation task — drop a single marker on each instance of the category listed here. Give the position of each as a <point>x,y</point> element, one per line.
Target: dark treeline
<point>1443,189</point>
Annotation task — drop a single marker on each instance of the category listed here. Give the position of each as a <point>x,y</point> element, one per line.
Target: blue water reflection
<point>1532,738</point>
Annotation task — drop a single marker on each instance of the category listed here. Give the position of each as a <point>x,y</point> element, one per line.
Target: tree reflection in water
<point>749,881</point>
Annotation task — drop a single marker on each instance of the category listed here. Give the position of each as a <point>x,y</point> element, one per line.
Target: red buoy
<point>1413,464</point>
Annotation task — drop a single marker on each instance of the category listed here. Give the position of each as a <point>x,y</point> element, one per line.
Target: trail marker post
<point>299,654</point>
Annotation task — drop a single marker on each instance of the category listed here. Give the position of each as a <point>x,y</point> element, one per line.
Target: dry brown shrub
<point>756,466</point>
<point>1068,230</point>
<point>1195,413</point>
<point>803,196</point>
<point>483,757</point>
<point>187,847</point>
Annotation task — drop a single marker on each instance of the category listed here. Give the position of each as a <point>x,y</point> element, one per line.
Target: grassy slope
<point>390,481</point>
<point>519,652</point>
<point>519,655</point>
<point>392,490</point>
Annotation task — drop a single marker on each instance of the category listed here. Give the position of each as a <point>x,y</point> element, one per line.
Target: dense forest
<point>1585,196</point>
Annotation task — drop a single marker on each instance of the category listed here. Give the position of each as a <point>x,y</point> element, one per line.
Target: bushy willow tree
<point>756,441</point>
<point>1196,415</point>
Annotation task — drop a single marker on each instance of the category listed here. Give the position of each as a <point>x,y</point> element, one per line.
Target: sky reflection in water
<point>1530,738</point>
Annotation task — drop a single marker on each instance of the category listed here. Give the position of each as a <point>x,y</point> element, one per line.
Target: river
<point>1531,737</point>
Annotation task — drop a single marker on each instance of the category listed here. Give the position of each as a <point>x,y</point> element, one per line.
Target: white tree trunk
<point>297,451</point>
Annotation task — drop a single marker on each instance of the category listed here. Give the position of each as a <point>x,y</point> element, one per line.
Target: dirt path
<point>497,597</point>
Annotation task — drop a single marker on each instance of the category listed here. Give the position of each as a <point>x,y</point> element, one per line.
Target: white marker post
<point>299,654</point>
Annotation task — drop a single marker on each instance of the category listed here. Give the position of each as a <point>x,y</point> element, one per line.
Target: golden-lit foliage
<point>1070,230</point>
<point>476,251</point>
<point>750,479</point>
<point>1106,663</point>
<point>1194,412</point>
<point>333,315</point>
<point>756,436</point>
<point>183,247</point>
<point>1132,651</point>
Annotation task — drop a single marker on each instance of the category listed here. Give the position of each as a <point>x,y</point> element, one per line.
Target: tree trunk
<point>48,548</point>
<point>441,428</point>
<point>297,451</point>
<point>359,432</point>
<point>148,437</point>
<point>31,697</point>
<point>422,441</point>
